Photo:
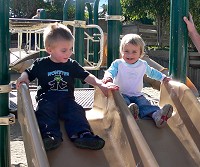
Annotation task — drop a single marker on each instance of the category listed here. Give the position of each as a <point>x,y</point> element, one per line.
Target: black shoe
<point>51,143</point>
<point>89,141</point>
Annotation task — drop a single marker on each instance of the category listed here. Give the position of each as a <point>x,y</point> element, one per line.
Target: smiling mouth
<point>129,58</point>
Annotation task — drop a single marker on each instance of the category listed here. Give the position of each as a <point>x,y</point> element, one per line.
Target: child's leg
<point>147,110</point>
<point>161,116</point>
<point>77,126</point>
<point>48,122</point>
<point>145,107</point>
<point>132,106</point>
<point>74,117</point>
<point>134,110</point>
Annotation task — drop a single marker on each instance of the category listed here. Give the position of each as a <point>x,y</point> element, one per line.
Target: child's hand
<point>22,79</point>
<point>166,80</point>
<point>106,80</point>
<point>112,86</point>
<point>106,87</point>
<point>19,82</point>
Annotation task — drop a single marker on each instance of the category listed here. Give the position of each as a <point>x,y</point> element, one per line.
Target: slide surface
<point>129,143</point>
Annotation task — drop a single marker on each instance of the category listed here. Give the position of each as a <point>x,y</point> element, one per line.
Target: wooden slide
<point>128,143</point>
<point>156,84</point>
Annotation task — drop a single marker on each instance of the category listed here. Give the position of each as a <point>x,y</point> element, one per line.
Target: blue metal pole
<point>96,46</point>
<point>79,35</point>
<point>114,31</point>
<point>42,16</point>
<point>4,80</point>
<point>90,31</point>
<point>178,40</point>
<point>65,10</point>
<point>96,20</point>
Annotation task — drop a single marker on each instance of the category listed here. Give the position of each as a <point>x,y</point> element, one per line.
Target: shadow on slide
<point>128,143</point>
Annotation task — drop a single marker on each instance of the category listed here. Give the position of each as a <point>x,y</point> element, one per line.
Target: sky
<point>101,2</point>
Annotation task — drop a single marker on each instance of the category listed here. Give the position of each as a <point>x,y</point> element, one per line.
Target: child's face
<point>61,51</point>
<point>131,53</point>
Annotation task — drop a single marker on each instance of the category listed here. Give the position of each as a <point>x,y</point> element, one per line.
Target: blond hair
<point>54,32</point>
<point>132,39</point>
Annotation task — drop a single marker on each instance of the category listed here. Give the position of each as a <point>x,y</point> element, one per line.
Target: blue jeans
<point>145,107</point>
<point>52,109</point>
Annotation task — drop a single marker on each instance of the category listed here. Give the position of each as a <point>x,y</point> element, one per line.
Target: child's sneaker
<point>89,141</point>
<point>134,110</point>
<point>161,116</point>
<point>51,143</point>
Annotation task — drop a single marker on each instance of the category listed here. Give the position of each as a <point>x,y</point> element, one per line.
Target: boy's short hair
<point>132,39</point>
<point>54,32</point>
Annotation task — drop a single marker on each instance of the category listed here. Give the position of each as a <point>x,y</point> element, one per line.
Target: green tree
<point>156,10</point>
<point>136,9</point>
<point>104,10</point>
<point>27,8</point>
<point>195,11</point>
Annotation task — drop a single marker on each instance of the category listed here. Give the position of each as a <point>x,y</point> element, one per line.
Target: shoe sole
<point>134,110</point>
<point>90,143</point>
<point>166,114</point>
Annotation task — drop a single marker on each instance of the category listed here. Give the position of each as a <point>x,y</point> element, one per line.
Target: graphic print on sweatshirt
<point>58,84</point>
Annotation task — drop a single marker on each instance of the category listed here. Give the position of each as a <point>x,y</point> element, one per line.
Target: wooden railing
<point>149,34</point>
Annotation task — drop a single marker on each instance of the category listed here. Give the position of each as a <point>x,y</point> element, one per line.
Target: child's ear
<point>120,55</point>
<point>48,49</point>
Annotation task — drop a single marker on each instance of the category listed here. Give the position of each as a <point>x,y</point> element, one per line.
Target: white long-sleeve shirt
<point>129,77</point>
